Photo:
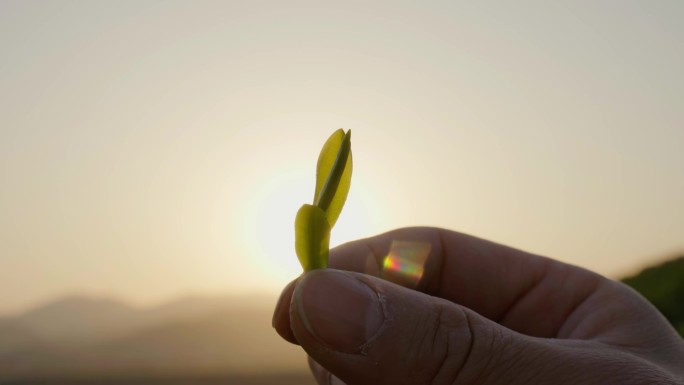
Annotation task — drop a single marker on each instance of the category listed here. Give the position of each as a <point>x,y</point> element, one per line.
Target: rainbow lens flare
<point>405,262</point>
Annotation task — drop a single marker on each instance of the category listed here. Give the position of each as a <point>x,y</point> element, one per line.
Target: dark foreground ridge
<point>663,285</point>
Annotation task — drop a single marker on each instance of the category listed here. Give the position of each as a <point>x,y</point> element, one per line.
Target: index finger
<point>501,283</point>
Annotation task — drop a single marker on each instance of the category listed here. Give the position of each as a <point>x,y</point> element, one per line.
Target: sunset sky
<point>154,149</point>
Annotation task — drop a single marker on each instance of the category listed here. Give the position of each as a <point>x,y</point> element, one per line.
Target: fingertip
<point>281,314</point>
<point>336,310</point>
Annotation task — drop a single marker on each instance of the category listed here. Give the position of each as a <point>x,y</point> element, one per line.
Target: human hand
<point>481,313</point>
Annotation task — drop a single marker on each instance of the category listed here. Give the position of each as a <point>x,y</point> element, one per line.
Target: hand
<point>481,313</point>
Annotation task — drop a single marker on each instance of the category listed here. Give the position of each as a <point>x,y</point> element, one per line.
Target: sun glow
<point>269,227</point>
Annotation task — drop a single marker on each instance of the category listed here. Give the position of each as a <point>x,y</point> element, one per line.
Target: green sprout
<point>314,222</point>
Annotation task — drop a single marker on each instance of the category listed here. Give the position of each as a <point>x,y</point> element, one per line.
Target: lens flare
<point>405,262</point>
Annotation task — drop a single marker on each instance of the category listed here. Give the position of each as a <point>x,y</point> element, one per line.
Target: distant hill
<point>77,320</point>
<point>80,336</point>
<point>663,285</point>
<point>89,337</point>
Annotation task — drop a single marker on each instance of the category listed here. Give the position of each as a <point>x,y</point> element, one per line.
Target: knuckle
<point>446,345</point>
<point>471,350</point>
<point>451,346</point>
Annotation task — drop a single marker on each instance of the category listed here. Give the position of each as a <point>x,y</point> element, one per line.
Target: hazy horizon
<point>152,149</point>
<point>263,298</point>
<point>85,338</point>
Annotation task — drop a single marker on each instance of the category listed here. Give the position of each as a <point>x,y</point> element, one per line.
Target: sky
<point>155,149</point>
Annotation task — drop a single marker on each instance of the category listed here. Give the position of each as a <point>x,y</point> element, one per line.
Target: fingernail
<point>338,309</point>
<point>336,381</point>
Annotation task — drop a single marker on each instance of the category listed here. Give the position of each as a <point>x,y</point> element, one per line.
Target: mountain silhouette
<point>85,337</point>
<point>81,336</point>
<point>77,320</point>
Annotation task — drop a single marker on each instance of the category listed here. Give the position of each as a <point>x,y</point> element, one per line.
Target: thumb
<point>368,331</point>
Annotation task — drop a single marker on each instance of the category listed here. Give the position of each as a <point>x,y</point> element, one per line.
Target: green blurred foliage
<point>663,285</point>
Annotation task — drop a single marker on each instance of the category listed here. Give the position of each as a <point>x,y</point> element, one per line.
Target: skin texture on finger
<point>426,340</point>
<point>491,279</point>
<point>509,286</point>
<point>506,285</point>
<point>375,358</point>
<point>529,294</point>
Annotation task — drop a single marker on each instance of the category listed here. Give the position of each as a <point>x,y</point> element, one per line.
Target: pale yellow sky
<point>152,149</point>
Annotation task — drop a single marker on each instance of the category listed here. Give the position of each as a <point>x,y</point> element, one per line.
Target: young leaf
<point>312,237</point>
<point>314,222</point>
<point>326,159</point>
<point>333,175</point>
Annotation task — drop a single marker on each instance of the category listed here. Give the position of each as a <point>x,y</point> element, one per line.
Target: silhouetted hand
<point>481,313</point>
